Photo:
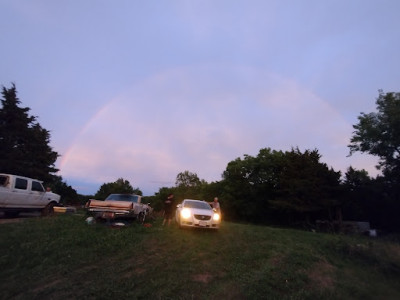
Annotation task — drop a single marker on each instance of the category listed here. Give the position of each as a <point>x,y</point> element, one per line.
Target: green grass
<point>62,257</point>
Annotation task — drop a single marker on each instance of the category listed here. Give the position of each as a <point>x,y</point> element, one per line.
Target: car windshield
<point>123,197</point>
<point>197,204</point>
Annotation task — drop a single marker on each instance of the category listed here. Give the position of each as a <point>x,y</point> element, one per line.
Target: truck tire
<point>141,217</point>
<point>11,214</point>
<point>48,210</point>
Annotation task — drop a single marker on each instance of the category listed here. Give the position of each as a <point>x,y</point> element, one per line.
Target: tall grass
<point>63,257</point>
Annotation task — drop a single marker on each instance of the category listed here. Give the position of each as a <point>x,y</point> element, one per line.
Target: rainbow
<point>101,111</point>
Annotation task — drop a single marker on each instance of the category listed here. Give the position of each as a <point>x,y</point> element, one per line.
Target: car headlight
<point>216,217</point>
<point>185,213</point>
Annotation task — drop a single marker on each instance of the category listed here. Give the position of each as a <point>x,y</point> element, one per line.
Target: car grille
<point>202,217</point>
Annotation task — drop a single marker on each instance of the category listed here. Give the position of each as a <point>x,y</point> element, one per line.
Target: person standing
<point>215,205</point>
<point>168,209</point>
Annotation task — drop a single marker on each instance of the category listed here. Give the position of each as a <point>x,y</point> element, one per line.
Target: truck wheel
<point>48,210</point>
<point>141,217</point>
<point>11,214</point>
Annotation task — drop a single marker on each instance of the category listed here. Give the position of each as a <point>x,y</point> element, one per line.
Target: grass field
<point>62,257</point>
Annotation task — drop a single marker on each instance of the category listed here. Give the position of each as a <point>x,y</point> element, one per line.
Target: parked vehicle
<point>22,194</point>
<point>197,213</point>
<point>119,206</point>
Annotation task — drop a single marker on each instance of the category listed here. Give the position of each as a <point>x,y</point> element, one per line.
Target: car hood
<point>199,211</point>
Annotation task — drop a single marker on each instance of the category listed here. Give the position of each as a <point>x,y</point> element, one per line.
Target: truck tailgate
<point>110,204</point>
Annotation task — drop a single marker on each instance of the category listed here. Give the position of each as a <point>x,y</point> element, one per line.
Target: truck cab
<point>19,194</point>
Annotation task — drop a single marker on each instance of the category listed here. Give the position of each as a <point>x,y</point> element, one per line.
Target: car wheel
<point>48,210</point>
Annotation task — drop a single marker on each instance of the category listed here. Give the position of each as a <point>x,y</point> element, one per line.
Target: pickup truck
<point>119,206</point>
<point>21,194</point>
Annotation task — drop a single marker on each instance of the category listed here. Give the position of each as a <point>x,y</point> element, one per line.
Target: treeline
<point>290,188</point>
<point>296,189</point>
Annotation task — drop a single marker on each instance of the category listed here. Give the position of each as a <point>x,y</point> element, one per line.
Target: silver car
<point>197,213</point>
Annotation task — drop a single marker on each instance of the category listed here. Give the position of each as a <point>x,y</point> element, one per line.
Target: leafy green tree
<point>120,186</point>
<point>249,185</point>
<point>188,185</point>
<point>280,187</point>
<point>211,190</point>
<point>378,133</point>
<point>307,187</point>
<point>360,195</point>
<point>24,144</point>
<point>370,199</point>
<point>356,178</point>
<point>157,201</point>
<point>187,179</point>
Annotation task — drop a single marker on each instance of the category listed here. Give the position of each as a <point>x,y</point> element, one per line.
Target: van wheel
<point>48,210</point>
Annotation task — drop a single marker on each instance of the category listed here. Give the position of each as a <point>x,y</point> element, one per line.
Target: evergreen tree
<point>24,144</point>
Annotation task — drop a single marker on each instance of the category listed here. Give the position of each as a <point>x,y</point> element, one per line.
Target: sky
<point>144,90</point>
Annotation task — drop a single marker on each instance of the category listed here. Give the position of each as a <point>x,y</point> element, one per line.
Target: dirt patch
<point>20,218</point>
<point>276,261</point>
<point>13,220</point>
<point>230,290</point>
<point>321,275</point>
<point>203,278</point>
<point>394,251</point>
<point>47,285</point>
<point>133,272</point>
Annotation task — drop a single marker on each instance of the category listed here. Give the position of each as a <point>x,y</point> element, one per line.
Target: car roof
<point>193,200</point>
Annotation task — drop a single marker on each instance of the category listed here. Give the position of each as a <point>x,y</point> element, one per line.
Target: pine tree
<point>24,144</point>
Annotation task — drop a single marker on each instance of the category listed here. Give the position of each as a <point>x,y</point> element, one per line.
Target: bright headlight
<point>185,213</point>
<point>216,217</point>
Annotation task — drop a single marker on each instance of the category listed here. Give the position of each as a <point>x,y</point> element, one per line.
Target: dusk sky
<point>144,90</point>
